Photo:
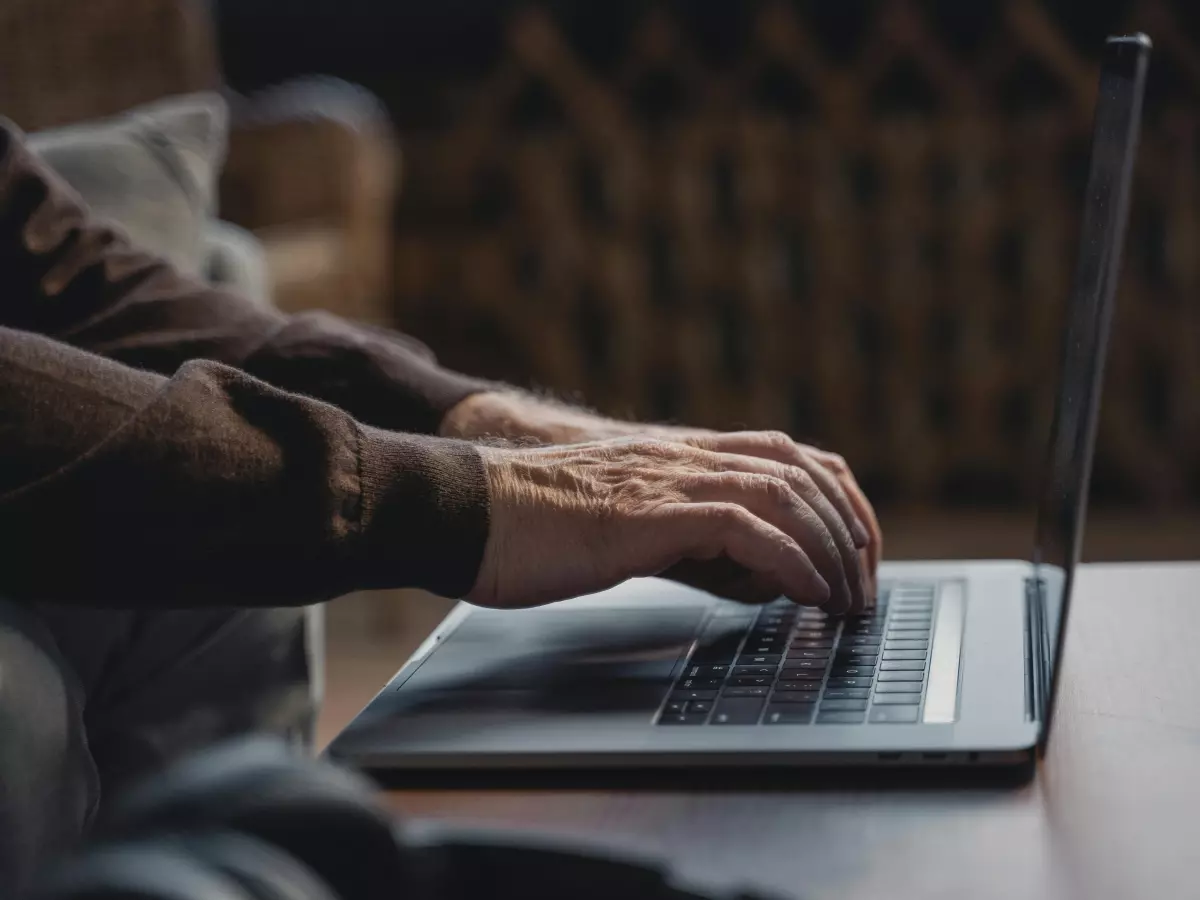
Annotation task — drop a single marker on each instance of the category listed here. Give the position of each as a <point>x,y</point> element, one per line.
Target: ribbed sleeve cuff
<point>425,514</point>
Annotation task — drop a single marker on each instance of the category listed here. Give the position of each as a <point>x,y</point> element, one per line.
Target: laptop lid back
<point>1063,501</point>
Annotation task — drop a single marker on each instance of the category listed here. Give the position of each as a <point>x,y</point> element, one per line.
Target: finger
<point>862,506</point>
<point>809,488</point>
<point>780,448</point>
<point>711,530</point>
<point>772,498</point>
<point>845,555</point>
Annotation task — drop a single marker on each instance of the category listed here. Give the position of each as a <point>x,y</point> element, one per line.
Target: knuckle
<point>654,449</point>
<point>777,439</point>
<point>771,486</point>
<point>803,479</point>
<point>731,516</point>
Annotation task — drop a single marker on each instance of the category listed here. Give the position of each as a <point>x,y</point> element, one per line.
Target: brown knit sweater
<point>165,444</point>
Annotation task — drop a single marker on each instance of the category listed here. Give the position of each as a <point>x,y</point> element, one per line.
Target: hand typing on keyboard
<point>751,526</point>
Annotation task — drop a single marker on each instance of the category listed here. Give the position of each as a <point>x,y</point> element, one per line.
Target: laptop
<point>957,664</point>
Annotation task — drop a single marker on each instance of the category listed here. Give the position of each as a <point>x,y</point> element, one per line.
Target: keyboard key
<point>855,661</point>
<point>819,665</point>
<point>682,719</point>
<point>849,682</point>
<point>913,620</point>
<point>827,705</point>
<point>762,659</point>
<point>700,706</point>
<point>858,651</point>
<point>779,629</point>
<point>889,655</point>
<point>768,671</point>
<point>801,675</point>
<point>684,696</point>
<point>899,687</point>
<point>778,632</point>
<point>788,715</point>
<point>798,687</point>
<point>706,671</point>
<point>885,677</point>
<point>899,715</point>
<point>752,680</point>
<point>745,691</point>
<point>861,640</point>
<point>809,654</point>
<point>906,645</point>
<point>675,706</point>
<point>823,644</point>
<point>866,628</point>
<point>902,665</point>
<point>865,661</point>
<point>865,656</point>
<point>795,696</point>
<point>700,683</point>
<point>852,671</point>
<point>764,647</point>
<point>815,634</point>
<point>908,635</point>
<point>840,717</point>
<point>876,614</point>
<point>771,638</point>
<point>847,694</point>
<point>897,700</point>
<point>740,711</point>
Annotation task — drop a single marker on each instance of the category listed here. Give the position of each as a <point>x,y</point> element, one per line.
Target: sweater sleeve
<point>72,277</point>
<point>121,487</point>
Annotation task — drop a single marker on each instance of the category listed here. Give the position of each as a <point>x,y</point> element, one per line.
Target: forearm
<point>512,415</point>
<point>124,488</point>
<point>70,277</point>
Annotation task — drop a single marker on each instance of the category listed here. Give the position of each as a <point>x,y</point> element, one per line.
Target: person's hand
<point>514,416</point>
<point>581,518</point>
<point>829,470</point>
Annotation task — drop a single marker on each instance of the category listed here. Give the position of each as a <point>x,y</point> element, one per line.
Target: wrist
<point>516,417</point>
<point>488,414</point>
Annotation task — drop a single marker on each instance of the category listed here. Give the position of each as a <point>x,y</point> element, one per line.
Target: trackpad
<point>555,659</point>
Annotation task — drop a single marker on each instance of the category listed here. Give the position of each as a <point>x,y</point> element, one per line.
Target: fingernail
<point>859,532</point>
<point>820,589</point>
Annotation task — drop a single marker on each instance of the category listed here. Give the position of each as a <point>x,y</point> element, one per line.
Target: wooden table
<point>1114,810</point>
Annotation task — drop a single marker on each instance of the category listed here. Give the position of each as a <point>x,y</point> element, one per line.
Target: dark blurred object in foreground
<point>251,818</point>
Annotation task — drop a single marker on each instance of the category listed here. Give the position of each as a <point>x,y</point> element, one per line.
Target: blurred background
<point>852,221</point>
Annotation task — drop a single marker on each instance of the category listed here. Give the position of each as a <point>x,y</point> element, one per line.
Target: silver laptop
<point>957,664</point>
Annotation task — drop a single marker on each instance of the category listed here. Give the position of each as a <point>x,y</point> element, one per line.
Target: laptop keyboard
<point>789,665</point>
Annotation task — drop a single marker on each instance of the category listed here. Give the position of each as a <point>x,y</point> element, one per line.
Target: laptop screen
<point>1063,501</point>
